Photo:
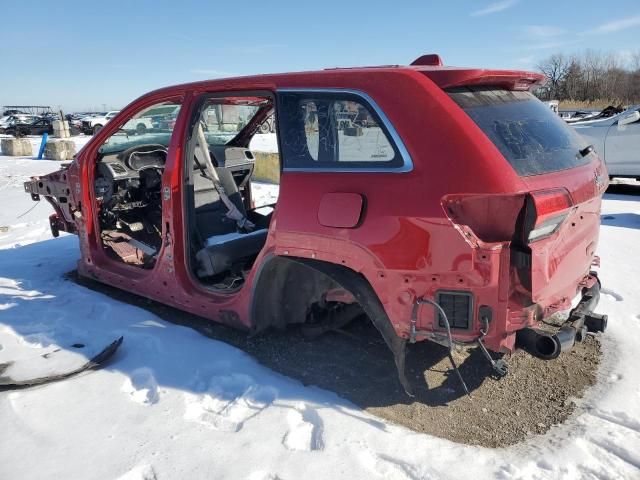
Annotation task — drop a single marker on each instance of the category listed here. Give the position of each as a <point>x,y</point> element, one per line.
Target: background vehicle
<point>37,127</point>
<point>617,141</point>
<point>17,119</point>
<point>384,216</point>
<point>94,123</point>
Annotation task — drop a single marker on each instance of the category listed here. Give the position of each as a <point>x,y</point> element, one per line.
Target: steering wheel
<point>151,155</point>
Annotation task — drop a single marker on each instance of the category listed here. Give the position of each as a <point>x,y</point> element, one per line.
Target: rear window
<point>532,138</point>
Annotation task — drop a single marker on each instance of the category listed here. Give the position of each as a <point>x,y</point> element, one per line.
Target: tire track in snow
<point>615,451</point>
<point>619,419</point>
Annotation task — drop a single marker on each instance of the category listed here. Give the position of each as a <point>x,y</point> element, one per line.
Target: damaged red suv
<point>447,204</point>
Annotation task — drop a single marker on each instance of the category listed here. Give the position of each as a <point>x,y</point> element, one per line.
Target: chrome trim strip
<point>407,162</point>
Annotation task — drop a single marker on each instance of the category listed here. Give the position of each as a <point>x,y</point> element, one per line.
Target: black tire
<point>141,129</point>
<point>265,128</point>
<point>97,128</point>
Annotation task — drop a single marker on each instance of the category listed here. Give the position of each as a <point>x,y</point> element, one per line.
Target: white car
<point>94,123</point>
<point>617,140</point>
<point>138,125</point>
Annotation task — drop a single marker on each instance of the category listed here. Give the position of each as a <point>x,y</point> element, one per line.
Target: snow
<point>264,142</point>
<point>174,404</point>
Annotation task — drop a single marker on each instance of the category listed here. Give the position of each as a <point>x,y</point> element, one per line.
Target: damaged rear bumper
<point>582,319</point>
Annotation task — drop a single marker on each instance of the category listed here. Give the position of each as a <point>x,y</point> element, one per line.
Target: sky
<point>103,54</point>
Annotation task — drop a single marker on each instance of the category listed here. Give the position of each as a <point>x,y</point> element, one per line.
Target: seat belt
<point>209,172</point>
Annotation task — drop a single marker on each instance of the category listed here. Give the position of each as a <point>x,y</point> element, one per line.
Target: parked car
<point>92,124</point>
<point>17,119</point>
<point>617,140</point>
<point>12,111</point>
<point>582,116</point>
<point>472,225</point>
<point>37,127</point>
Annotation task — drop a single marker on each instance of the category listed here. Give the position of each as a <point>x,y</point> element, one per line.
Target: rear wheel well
<point>288,287</point>
<point>285,291</point>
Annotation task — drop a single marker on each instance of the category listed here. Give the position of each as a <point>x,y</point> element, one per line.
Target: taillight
<point>549,209</point>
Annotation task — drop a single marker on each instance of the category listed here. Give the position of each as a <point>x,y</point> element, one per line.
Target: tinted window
<point>333,130</point>
<point>529,135</point>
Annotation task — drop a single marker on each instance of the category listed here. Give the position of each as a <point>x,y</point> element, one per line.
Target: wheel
<point>141,129</point>
<point>265,128</point>
<point>97,128</point>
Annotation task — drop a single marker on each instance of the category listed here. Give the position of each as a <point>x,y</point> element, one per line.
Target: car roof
<point>442,76</point>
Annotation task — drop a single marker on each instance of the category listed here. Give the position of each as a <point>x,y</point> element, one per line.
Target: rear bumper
<point>582,319</point>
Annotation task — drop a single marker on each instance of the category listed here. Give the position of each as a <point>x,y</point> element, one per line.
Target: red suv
<point>448,204</point>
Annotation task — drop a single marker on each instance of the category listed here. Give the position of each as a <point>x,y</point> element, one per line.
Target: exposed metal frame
<point>407,161</point>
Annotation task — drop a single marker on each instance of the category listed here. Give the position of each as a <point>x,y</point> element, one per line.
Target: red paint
<point>340,210</point>
<point>409,243</point>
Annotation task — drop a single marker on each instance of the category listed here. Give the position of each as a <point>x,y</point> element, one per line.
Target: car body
<point>617,141</point>
<point>416,211</point>
<point>36,127</point>
<point>75,119</point>
<point>17,119</point>
<point>92,124</point>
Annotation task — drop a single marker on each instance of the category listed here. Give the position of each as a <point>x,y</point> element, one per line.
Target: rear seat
<point>222,251</point>
<point>223,245</point>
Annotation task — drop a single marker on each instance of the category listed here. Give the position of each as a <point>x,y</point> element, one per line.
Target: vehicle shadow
<point>354,362</point>
<point>624,190</point>
<point>627,220</point>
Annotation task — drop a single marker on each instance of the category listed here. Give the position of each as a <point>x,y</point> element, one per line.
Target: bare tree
<point>555,68</point>
<point>592,76</point>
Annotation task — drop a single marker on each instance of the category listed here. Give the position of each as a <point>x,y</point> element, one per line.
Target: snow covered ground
<point>174,404</point>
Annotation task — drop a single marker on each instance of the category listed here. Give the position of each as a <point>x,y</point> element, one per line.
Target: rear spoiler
<point>508,79</point>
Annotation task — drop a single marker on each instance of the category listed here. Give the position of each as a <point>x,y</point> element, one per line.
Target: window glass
<point>223,118</point>
<point>333,130</point>
<point>532,138</point>
<point>153,125</point>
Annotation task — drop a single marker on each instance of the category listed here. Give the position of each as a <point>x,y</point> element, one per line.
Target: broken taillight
<point>549,208</point>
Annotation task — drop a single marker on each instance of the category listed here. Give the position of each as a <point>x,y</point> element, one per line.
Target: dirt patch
<point>356,364</point>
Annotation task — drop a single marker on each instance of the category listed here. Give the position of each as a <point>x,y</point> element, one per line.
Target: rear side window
<point>529,135</point>
<point>335,131</point>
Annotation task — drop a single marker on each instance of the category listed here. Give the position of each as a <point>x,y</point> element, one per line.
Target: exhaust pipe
<point>547,346</point>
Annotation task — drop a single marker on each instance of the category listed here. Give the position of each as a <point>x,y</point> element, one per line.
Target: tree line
<point>592,77</point>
